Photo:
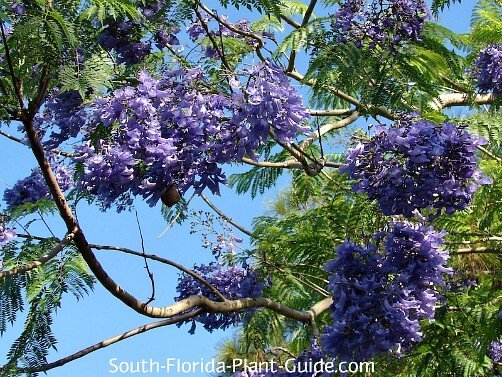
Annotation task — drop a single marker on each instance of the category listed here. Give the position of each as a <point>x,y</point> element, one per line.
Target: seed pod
<point>171,196</point>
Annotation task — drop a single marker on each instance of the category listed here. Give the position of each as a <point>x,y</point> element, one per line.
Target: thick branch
<point>329,113</point>
<point>43,259</point>
<point>344,96</point>
<point>290,164</point>
<point>247,303</point>
<point>330,127</point>
<point>460,99</point>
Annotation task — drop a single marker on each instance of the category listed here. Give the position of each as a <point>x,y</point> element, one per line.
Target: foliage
<point>152,100</point>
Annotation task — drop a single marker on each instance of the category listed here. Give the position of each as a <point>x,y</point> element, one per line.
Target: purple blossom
<point>168,132</point>
<point>495,352</point>
<point>18,9</point>
<point>233,282</point>
<point>125,36</point>
<point>489,69</point>
<point>379,298</point>
<point>33,188</point>
<point>65,114</point>
<point>417,164</point>
<point>380,22</point>
<point>6,234</point>
<point>163,38</point>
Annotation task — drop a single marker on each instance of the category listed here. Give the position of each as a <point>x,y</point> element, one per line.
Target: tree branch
<point>232,27</point>
<point>344,96</point>
<point>290,164</point>
<point>477,250</point>
<point>23,142</point>
<point>330,127</point>
<point>147,267</point>
<point>225,217</point>
<point>168,262</point>
<point>43,259</point>
<point>461,99</point>
<point>15,82</point>
<point>109,342</point>
<point>305,21</point>
<point>213,41</point>
<point>329,113</point>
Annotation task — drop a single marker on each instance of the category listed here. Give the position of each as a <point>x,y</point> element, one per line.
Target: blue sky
<point>100,316</point>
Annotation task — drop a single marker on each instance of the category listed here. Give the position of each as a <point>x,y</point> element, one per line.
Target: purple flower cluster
<point>125,36</point>
<point>417,164</point>
<point>270,99</point>
<point>489,69</point>
<point>169,132</point>
<point>233,282</point>
<point>379,298</point>
<point>18,8</point>
<point>6,234</point>
<point>495,352</point>
<point>382,22</point>
<point>65,114</point>
<point>33,188</point>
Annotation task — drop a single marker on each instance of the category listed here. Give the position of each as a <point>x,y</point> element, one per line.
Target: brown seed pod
<point>171,196</point>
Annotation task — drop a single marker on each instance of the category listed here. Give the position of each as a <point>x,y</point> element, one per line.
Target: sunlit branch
<point>382,111</point>
<point>477,250</point>
<point>290,164</point>
<point>488,153</point>
<point>40,261</point>
<point>326,128</point>
<point>329,113</point>
<point>460,99</point>
<point>290,21</point>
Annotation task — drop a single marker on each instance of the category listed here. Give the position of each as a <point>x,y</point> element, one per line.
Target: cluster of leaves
<point>38,292</point>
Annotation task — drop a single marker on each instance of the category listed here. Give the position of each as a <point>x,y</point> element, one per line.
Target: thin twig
<point>15,82</point>
<point>488,153</point>
<point>43,259</point>
<point>168,262</point>
<point>24,142</point>
<point>225,217</point>
<point>45,223</point>
<point>213,41</point>
<point>150,274</point>
<point>154,257</point>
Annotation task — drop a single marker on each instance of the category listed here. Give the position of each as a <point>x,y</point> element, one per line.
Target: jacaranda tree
<point>386,246</point>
